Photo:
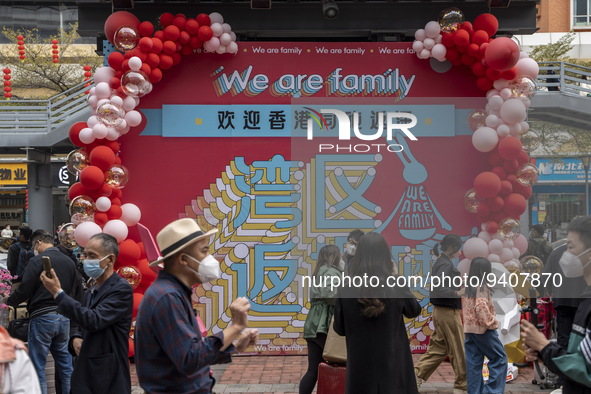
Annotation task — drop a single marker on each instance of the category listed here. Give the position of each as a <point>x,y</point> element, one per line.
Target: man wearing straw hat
<point>170,353</point>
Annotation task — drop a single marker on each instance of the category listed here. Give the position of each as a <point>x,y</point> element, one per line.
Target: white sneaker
<point>557,391</point>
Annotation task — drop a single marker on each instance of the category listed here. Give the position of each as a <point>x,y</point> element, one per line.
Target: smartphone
<point>47,266</point>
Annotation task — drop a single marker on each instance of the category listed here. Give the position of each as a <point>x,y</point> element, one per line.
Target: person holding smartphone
<point>48,329</point>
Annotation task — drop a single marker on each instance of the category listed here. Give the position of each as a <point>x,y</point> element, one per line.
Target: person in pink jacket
<point>480,330</point>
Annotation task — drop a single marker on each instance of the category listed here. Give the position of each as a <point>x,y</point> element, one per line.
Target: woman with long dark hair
<point>448,335</point>
<point>480,328</point>
<point>321,312</point>
<point>372,320</point>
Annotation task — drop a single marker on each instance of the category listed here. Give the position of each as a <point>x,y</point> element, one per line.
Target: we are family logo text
<point>393,126</point>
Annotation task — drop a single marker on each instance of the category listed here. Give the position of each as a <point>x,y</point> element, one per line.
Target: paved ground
<point>281,374</point>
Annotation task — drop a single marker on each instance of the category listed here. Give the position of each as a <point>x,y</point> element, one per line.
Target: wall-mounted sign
<point>13,174</point>
<point>564,170</point>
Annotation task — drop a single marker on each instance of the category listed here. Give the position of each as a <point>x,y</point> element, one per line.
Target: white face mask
<point>350,249</point>
<point>209,268</point>
<point>341,266</point>
<point>571,264</point>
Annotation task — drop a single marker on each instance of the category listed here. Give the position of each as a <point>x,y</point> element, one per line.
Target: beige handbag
<point>335,348</point>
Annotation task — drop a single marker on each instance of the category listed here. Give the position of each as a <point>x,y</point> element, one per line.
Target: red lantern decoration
<point>21,47</point>
<point>87,75</point>
<point>55,51</point>
<point>7,84</point>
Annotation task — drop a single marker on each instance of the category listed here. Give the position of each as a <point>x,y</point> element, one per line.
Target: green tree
<point>555,51</point>
<point>37,76</point>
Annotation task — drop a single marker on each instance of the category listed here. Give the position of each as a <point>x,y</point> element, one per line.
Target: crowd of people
<point>85,325</point>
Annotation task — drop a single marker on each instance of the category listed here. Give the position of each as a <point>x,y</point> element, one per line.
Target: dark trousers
<point>565,316</point>
<point>315,349</point>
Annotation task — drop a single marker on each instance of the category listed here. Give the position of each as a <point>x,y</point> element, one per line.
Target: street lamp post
<point>586,161</point>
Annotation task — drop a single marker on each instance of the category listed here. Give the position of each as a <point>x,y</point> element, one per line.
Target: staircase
<point>563,97</point>
<point>42,123</point>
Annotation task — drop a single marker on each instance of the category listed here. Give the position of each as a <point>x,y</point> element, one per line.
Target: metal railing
<point>43,116</point>
<point>566,78</point>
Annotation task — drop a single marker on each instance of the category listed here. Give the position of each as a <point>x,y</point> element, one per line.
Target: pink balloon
<point>133,118</point>
<point>464,267</point>
<point>506,254</point>
<point>528,67</point>
<point>130,214</point>
<point>418,46</point>
<point>212,44</point>
<point>84,231</point>
<point>117,228</point>
<point>429,43</point>
<point>521,244</point>
<point>475,247</point>
<point>485,139</point>
<point>516,253</point>
<point>508,243</point>
<point>86,135</point>
<point>432,29</point>
<point>513,111</point>
<point>494,258</point>
<point>495,246</point>
<point>439,51</point>
<point>99,131</point>
<point>420,35</point>
<point>103,90</point>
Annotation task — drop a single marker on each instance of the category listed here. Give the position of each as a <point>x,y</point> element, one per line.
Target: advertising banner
<point>287,147</point>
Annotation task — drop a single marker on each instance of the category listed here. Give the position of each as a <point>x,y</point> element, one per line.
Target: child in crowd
<point>480,329</point>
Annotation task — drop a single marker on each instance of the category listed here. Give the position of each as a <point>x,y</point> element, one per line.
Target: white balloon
<point>92,91</point>
<point>217,29</point>
<point>432,29</point>
<point>492,121</point>
<point>103,90</point>
<point>420,34</point>
<point>212,44</point>
<point>122,126</point>
<point>506,93</point>
<point>103,204</point>
<point>484,235</point>
<point>227,28</point>
<point>495,102</point>
<point>135,63</point>
<point>84,231</point>
<point>524,127</point>
<point>503,130</point>
<point>92,100</point>
<point>225,39</point>
<point>130,214</point>
<point>418,46</point>
<point>113,134</point>
<point>499,84</point>
<point>103,74</point>
<point>492,92</point>
<point>485,139</point>
<point>117,100</point>
<point>233,35</point>
<point>92,121</point>
<point>513,111</point>
<point>429,43</point>
<point>425,54</point>
<point>439,51</point>
<point>133,118</point>
<point>128,103</point>
<point>221,50</point>
<point>438,39</point>
<point>86,136</point>
<point>99,131</point>
<point>232,47</point>
<point>216,17</point>
<point>117,228</point>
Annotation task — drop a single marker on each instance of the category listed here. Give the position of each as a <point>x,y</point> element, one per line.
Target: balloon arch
<point>499,196</point>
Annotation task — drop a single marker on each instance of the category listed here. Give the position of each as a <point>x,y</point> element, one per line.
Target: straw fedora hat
<point>180,234</point>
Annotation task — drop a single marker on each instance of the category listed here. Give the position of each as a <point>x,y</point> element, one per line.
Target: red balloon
<point>169,47</point>
<point>203,20</point>
<point>447,40</point>
<point>146,44</point>
<point>117,193</point>
<point>131,350</point>
<point>192,26</point>
<point>478,69</point>
<point>526,191</point>
<point>117,20</point>
<point>523,158</point>
<point>102,157</point>
<point>195,42</point>
<point>484,83</point>
<point>115,60</point>
<point>515,205</point>
<point>205,33</point>
<point>493,75</point>
<point>482,209</point>
<point>115,200</point>
<point>146,68</point>
<point>176,58</point>
<point>114,212</point>
<point>155,75</point>
<point>468,60</point>
<point>479,37</point>
<point>511,165</point>
<point>166,19</point>
<point>184,37</point>
<point>92,178</point>
<point>509,74</point>
<point>451,54</point>
<point>77,189</point>
<point>153,60</point>
<point>487,184</point>
<point>186,50</point>
<point>157,45</point>
<point>473,50</point>
<point>146,29</point>
<point>142,250</point>
<point>106,190</point>
<point>171,33</point>
<point>468,27</point>
<point>180,22</point>
<point>114,83</point>
<point>137,299</point>
<point>75,132</point>
<point>483,49</point>
<point>506,187</point>
<point>165,62</point>
<point>160,35</point>
<point>148,274</point>
<point>496,203</point>
<point>487,22</point>
<point>510,147</point>
<point>500,171</point>
<point>101,218</point>
<point>129,252</point>
<point>461,37</point>
<point>502,54</point>
<point>491,227</point>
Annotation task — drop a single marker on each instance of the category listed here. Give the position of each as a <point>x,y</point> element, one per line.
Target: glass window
<point>581,12</point>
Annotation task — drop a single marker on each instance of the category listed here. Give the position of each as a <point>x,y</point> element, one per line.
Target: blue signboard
<point>561,170</point>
